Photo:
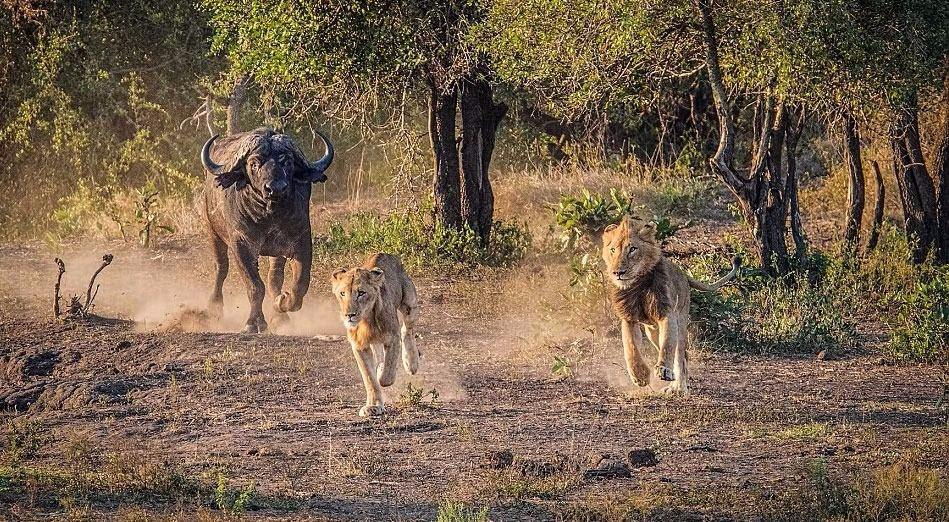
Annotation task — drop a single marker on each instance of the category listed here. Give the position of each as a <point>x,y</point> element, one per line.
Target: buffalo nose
<point>275,187</point>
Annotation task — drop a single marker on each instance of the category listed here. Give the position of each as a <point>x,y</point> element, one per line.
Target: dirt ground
<point>277,412</point>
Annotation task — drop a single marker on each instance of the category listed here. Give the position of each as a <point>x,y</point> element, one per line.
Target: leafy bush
<point>422,244</point>
<point>897,492</point>
<point>821,303</point>
<point>588,214</point>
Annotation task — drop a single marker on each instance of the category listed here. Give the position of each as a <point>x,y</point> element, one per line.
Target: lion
<point>651,294</point>
<point>373,298</point>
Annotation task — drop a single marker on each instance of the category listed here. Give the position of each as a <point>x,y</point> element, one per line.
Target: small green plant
<point>452,511</point>
<point>23,439</point>
<point>232,501</point>
<point>147,213</point>
<point>414,397</point>
<point>562,367</point>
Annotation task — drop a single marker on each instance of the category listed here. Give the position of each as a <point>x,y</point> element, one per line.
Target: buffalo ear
<point>233,177</point>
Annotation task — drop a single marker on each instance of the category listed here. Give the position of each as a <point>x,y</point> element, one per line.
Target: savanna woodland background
<point>487,143</point>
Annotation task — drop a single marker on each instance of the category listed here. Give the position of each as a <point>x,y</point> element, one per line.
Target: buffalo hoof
<point>665,373</point>
<point>255,328</point>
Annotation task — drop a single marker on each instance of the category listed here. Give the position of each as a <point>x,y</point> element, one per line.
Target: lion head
<point>630,251</point>
<point>357,290</point>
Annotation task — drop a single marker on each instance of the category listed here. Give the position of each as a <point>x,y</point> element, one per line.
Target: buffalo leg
<point>292,300</point>
<point>247,264</point>
<point>216,303</point>
<point>275,286</point>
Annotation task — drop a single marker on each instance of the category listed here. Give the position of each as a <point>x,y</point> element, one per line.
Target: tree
<point>349,60</point>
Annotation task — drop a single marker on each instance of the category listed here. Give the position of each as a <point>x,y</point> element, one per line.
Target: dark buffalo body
<point>256,202</point>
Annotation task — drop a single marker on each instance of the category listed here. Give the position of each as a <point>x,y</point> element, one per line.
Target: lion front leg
<point>366,361</point>
<point>632,350</point>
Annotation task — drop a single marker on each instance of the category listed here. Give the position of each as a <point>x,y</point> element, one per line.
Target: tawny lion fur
<point>651,296</point>
<point>373,299</point>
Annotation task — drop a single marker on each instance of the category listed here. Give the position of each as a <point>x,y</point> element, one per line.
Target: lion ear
<point>338,274</point>
<point>376,276</point>
<point>622,224</point>
<point>648,232</point>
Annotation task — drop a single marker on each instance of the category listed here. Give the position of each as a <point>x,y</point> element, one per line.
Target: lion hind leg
<point>668,347</point>
<point>681,383</point>
<point>409,315</point>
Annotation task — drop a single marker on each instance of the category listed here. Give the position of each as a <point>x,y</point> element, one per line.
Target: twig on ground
<point>106,261</point>
<point>59,280</point>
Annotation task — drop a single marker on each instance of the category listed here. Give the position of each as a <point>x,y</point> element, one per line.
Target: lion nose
<point>619,273</point>
<point>351,317</point>
<point>275,187</point>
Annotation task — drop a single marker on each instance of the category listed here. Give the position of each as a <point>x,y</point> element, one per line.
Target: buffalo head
<point>267,161</point>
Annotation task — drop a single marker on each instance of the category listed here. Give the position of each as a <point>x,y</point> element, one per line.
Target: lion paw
<point>665,373</point>
<point>640,376</point>
<point>373,410</point>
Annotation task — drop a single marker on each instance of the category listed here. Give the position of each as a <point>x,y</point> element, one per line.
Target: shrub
<point>823,300</point>
<point>421,244</point>
<point>896,492</point>
<point>452,511</point>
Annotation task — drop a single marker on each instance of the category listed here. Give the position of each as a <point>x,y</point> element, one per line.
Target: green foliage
<point>896,492</point>
<point>414,397</point>
<point>420,243</point>
<point>820,306</point>
<point>232,501</point>
<point>588,214</point>
<point>453,511</point>
<point>562,367</point>
<point>93,93</point>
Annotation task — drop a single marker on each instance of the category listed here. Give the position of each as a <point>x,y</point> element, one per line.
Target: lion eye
<point>613,250</point>
<point>360,293</point>
<point>632,250</point>
<point>342,294</point>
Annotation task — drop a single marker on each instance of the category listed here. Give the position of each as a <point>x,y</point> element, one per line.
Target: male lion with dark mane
<point>373,298</point>
<point>650,293</point>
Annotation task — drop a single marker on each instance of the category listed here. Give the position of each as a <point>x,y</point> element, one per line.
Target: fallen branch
<point>106,261</point>
<point>59,280</point>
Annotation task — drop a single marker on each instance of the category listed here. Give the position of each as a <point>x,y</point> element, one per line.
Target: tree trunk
<point>441,125</point>
<point>234,102</point>
<point>762,196</point>
<point>855,186</point>
<point>480,118</point>
<point>877,208</point>
<point>797,230</point>
<point>917,192</point>
<point>942,204</point>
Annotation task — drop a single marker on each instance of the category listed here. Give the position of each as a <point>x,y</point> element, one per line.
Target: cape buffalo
<point>257,203</point>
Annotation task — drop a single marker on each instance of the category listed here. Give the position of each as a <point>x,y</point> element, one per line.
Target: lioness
<point>650,293</point>
<point>372,298</point>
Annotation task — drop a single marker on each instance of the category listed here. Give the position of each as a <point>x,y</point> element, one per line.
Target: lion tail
<point>706,287</point>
